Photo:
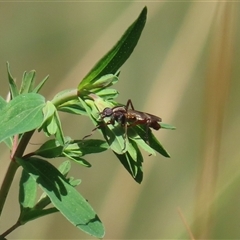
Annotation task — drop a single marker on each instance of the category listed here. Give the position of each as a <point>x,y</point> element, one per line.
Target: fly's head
<point>107,112</point>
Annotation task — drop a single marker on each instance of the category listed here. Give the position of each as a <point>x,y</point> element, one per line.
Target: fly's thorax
<point>119,109</point>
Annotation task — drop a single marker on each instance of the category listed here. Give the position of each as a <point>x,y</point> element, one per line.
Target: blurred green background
<point>185,69</point>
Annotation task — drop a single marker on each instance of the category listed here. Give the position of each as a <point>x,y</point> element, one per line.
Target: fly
<point>127,116</point>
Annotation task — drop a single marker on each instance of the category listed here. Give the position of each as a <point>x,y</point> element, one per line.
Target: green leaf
<point>50,149</point>
<point>153,142</point>
<point>27,196</point>
<point>114,135</point>
<point>64,96</point>
<point>40,85</point>
<point>102,83</point>
<point>44,200</point>
<point>77,159</point>
<point>132,134</point>
<point>100,87</point>
<point>74,182</point>
<point>132,165</point>
<point>27,82</point>
<point>87,146</point>
<point>48,111</point>
<point>105,81</point>
<point>27,191</point>
<point>73,106</point>
<point>7,141</point>
<point>64,196</point>
<point>167,126</point>
<point>107,94</point>
<point>3,103</point>
<point>116,57</point>
<point>22,114</point>
<point>51,124</point>
<point>64,168</point>
<point>12,84</point>
<point>59,133</point>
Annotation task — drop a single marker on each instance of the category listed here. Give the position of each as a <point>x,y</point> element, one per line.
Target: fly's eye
<point>107,112</point>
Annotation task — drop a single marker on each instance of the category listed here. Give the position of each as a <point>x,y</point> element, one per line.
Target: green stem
<point>23,144</point>
<point>7,181</point>
<point>12,168</point>
<point>16,225</point>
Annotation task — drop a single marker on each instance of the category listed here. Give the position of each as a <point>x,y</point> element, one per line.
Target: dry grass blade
<point>217,90</point>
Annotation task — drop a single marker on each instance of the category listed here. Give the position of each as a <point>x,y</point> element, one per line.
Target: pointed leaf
<point>87,146</point>
<point>44,200</point>
<point>64,168</point>
<point>167,126</point>
<point>22,114</point>
<point>153,142</point>
<point>40,85</point>
<point>102,83</point>
<point>116,57</point>
<point>64,196</point>
<point>107,94</point>
<point>50,149</point>
<point>132,165</point>
<point>7,141</point>
<point>73,106</point>
<point>12,85</point>
<point>27,82</point>
<point>51,124</point>
<point>77,159</point>
<point>133,135</point>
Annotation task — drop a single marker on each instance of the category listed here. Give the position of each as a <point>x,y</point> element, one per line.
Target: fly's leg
<point>92,132</point>
<point>147,131</point>
<point>125,137</point>
<point>111,121</point>
<point>129,103</point>
<point>148,123</point>
<point>123,121</point>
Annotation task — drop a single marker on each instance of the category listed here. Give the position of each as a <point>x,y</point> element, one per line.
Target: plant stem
<point>7,181</point>
<point>12,168</point>
<point>23,144</point>
<point>16,225</point>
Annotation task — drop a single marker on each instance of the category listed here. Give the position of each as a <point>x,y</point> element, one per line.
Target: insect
<point>127,116</point>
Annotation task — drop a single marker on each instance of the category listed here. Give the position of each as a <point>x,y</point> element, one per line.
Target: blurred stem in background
<point>218,82</point>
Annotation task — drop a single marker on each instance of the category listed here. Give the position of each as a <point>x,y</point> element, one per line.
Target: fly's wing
<point>154,118</point>
<point>142,118</point>
<point>154,122</point>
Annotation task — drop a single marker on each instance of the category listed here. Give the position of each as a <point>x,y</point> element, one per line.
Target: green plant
<point>27,111</point>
